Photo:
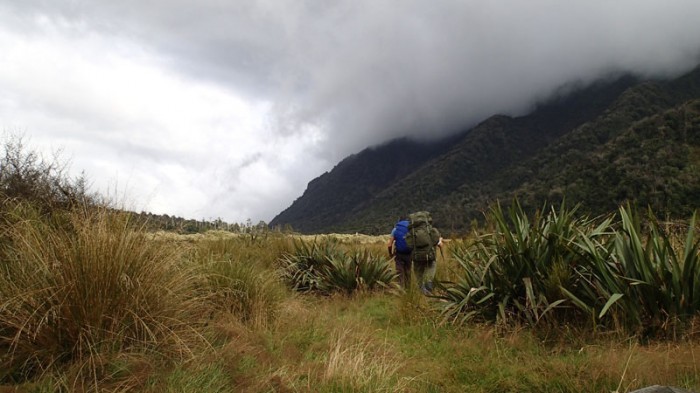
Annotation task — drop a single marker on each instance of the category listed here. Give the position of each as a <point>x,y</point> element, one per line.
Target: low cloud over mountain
<point>228,109</point>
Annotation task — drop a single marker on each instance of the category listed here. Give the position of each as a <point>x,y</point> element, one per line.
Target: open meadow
<point>90,301</point>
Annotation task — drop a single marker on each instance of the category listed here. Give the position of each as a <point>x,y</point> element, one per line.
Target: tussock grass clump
<point>79,286</point>
<point>240,279</point>
<point>242,289</point>
<point>261,251</point>
<point>357,364</point>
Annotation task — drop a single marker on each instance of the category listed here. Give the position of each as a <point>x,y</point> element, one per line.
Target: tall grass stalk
<point>359,365</point>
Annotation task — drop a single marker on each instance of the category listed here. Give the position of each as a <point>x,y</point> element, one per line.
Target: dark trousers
<point>403,268</point>
<point>425,273</point>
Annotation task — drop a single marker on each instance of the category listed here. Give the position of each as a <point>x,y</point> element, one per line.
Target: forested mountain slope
<point>615,140</point>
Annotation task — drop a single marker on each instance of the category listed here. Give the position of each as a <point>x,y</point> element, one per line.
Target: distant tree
<point>262,227</point>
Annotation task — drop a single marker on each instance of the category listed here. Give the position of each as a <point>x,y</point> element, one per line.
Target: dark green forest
<point>618,140</point>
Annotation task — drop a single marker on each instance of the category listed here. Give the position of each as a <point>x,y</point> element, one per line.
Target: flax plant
<point>561,269</point>
<point>516,273</point>
<point>349,272</point>
<point>645,279</point>
<point>303,267</point>
<point>322,267</point>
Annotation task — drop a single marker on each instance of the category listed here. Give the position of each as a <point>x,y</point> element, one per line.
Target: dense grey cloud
<point>255,98</point>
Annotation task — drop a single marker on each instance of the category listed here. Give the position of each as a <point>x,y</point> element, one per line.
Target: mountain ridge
<point>537,157</point>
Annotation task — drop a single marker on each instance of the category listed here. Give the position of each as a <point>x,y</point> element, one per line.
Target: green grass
<point>431,357</point>
<point>208,378</point>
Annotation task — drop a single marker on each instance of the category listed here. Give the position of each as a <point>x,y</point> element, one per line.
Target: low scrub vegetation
<point>91,302</point>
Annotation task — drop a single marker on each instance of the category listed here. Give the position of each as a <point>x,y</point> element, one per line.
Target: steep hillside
<point>332,198</point>
<point>578,146</point>
<point>616,157</point>
<point>654,162</point>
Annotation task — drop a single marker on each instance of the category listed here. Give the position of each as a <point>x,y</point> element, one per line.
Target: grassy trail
<point>392,343</point>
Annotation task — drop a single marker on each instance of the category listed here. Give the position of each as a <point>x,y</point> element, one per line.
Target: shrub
<point>322,267</point>
<point>563,269</point>
<point>25,175</point>
<point>517,271</point>
<point>356,270</point>
<point>646,281</point>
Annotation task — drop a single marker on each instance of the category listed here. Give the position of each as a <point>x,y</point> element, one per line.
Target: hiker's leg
<point>399,270</point>
<point>430,275</point>
<point>403,268</point>
<point>419,268</point>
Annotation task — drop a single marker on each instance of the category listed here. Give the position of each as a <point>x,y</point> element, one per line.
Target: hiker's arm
<point>390,245</point>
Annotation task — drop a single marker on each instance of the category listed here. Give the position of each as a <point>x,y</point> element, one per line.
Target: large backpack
<point>400,232</point>
<point>422,236</point>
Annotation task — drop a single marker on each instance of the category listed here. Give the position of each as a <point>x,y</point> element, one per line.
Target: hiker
<point>422,238</point>
<point>400,251</point>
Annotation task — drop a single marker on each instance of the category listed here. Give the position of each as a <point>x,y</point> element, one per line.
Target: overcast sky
<point>228,108</point>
